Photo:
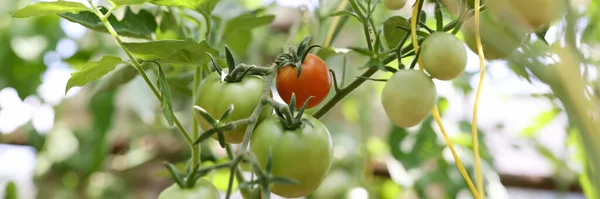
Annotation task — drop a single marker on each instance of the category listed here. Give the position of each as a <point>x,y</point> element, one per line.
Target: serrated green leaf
<point>48,8</point>
<point>172,51</point>
<point>140,25</point>
<point>165,97</point>
<point>192,4</point>
<point>93,71</point>
<point>126,2</point>
<point>239,42</point>
<point>539,122</point>
<point>119,77</point>
<point>393,35</point>
<point>246,22</point>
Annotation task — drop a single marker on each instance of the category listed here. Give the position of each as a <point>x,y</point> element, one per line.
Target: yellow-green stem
<point>474,133</point>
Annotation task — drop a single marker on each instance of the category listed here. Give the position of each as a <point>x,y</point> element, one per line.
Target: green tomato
<point>531,14</point>
<point>408,97</point>
<point>443,55</point>
<point>304,154</point>
<point>202,190</point>
<point>498,40</point>
<point>394,4</point>
<point>216,96</point>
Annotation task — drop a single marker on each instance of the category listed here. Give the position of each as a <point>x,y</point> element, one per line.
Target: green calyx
<point>286,113</point>
<point>236,73</point>
<point>296,56</point>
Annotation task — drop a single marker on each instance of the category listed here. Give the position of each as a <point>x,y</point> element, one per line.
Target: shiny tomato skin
<point>216,96</point>
<point>408,97</point>
<point>202,190</point>
<point>443,56</point>
<point>304,154</point>
<point>314,81</point>
<point>394,4</point>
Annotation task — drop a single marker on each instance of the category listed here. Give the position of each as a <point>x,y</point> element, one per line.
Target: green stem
<point>139,68</point>
<point>348,89</point>
<point>263,99</point>
<point>197,149</point>
<point>364,22</point>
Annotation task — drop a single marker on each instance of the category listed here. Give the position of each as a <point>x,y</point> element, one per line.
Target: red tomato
<point>314,81</point>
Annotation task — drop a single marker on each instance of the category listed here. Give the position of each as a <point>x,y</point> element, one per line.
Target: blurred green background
<point>108,139</point>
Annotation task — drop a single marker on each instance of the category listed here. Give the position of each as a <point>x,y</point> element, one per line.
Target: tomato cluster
<point>299,147</point>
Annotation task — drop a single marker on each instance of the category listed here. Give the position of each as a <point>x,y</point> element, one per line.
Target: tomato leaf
<point>172,51</point>
<point>392,34</point>
<point>175,173</point>
<point>283,180</point>
<point>48,8</point>
<point>192,4</point>
<point>126,2</point>
<point>540,121</point>
<point>165,97</point>
<point>121,76</point>
<point>140,25</point>
<point>237,34</point>
<point>93,71</point>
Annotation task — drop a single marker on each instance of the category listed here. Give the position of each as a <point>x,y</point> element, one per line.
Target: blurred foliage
<point>109,139</point>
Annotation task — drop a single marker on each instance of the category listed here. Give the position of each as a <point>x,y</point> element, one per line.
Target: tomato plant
<point>408,97</point>
<point>394,4</point>
<point>304,153</point>
<point>314,80</point>
<point>443,55</point>
<point>216,95</point>
<point>203,189</point>
<point>172,45</point>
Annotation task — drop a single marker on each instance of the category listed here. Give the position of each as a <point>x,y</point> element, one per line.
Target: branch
<point>139,68</point>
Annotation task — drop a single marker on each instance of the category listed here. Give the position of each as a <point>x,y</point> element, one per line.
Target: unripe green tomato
<point>408,97</point>
<point>443,56</point>
<point>216,96</point>
<point>304,154</point>
<point>394,4</point>
<point>531,14</point>
<point>498,40</point>
<point>202,190</point>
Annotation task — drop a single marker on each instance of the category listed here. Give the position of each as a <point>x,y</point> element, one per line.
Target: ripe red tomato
<point>314,81</point>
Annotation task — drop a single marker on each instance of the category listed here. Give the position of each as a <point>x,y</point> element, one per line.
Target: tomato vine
<point>220,116</point>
